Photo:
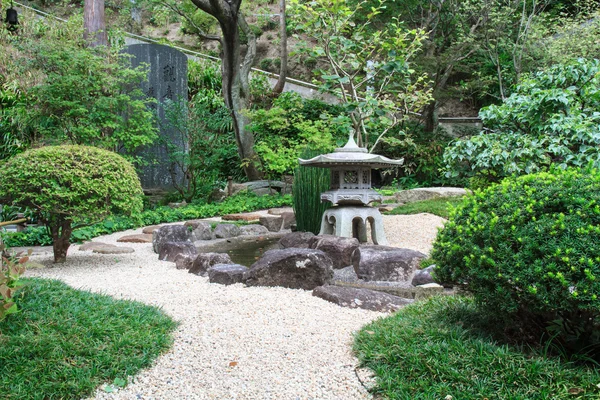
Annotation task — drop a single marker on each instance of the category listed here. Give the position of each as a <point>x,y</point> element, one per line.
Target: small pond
<point>244,250</point>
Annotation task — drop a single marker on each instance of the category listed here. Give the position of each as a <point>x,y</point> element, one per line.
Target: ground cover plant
<point>435,349</point>
<point>243,202</point>
<point>528,251</point>
<point>440,207</point>
<point>70,186</point>
<point>64,343</point>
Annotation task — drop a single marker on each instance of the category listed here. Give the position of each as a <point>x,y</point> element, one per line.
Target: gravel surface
<point>235,342</point>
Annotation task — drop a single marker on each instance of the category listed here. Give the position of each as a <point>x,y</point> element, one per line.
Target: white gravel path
<point>235,342</point>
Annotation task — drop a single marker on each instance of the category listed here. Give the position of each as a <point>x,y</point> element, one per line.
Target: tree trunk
<point>429,116</point>
<point>61,239</point>
<point>94,23</point>
<point>279,86</point>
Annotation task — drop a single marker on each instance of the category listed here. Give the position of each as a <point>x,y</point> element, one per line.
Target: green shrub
<point>68,186</point>
<point>528,248</point>
<point>309,183</point>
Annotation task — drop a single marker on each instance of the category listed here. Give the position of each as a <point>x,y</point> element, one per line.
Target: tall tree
<point>278,88</point>
<point>94,23</point>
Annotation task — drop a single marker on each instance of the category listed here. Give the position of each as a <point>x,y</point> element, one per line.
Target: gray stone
<point>253,230</point>
<point>113,250</point>
<point>206,260</point>
<point>260,188</point>
<point>226,231</point>
<point>150,229</point>
<point>93,245</point>
<point>297,240</point>
<point>383,263</point>
<point>169,251</point>
<point>280,210</point>
<point>170,233</point>
<point>346,274</point>
<point>361,298</point>
<point>140,238</point>
<point>177,205</point>
<point>217,195</point>
<point>226,274</point>
<point>289,218</point>
<point>339,249</point>
<point>272,223</point>
<point>194,223</point>
<point>419,194</point>
<point>184,261</point>
<point>167,81</point>
<point>291,268</point>
<point>241,217</point>
<point>428,290</point>
<point>202,231</point>
<point>423,276</point>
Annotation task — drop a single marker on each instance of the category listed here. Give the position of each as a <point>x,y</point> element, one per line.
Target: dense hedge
<point>240,203</point>
<point>530,247</point>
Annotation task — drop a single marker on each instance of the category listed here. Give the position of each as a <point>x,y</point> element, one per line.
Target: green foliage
<point>11,269</point>
<point>65,343</point>
<point>243,202</point>
<point>197,21</point>
<point>440,207</point>
<point>73,93</point>
<point>527,248</point>
<point>368,69</point>
<point>552,118</point>
<point>309,183</point>
<point>283,131</point>
<point>70,185</point>
<point>436,350</point>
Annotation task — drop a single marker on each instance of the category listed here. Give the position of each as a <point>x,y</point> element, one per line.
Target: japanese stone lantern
<point>351,192</point>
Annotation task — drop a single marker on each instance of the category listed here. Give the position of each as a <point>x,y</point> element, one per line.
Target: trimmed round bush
<point>530,246</point>
<point>69,186</point>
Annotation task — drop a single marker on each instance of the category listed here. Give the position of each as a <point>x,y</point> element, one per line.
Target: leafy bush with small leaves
<point>11,268</point>
<point>551,119</point>
<point>68,186</point>
<point>528,248</point>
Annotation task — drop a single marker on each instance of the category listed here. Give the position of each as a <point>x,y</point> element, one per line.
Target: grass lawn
<point>432,350</point>
<point>439,207</point>
<point>64,343</point>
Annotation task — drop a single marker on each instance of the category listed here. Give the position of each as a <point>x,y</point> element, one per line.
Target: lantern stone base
<point>349,221</point>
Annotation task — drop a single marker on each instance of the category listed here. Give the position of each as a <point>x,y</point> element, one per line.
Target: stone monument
<point>351,192</point>
<point>167,81</point>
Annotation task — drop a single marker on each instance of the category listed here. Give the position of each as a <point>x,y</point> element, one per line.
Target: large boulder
<point>291,268</point>
<point>383,263</point>
<point>289,219</point>
<point>226,274</point>
<point>206,260</point>
<point>169,251</point>
<point>170,233</point>
<point>184,261</point>
<point>226,231</point>
<point>297,240</point>
<point>423,276</point>
<point>339,249</point>
<point>202,231</point>
<point>361,298</point>
<point>253,230</point>
<point>271,222</point>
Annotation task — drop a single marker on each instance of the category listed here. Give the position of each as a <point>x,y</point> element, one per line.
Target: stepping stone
<point>280,210</point>
<point>92,245</point>
<point>361,298</point>
<point>149,230</point>
<point>240,217</point>
<point>113,250</point>
<point>141,238</point>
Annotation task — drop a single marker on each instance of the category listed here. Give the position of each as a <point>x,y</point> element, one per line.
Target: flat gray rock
<point>412,195</point>
<point>112,250</point>
<point>172,234</point>
<point>93,245</point>
<point>297,239</point>
<point>150,229</point>
<point>226,231</point>
<point>141,238</point>
<point>361,298</point>
<point>253,230</point>
<point>226,274</point>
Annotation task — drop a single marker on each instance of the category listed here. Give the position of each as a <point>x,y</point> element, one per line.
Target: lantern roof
<point>351,155</point>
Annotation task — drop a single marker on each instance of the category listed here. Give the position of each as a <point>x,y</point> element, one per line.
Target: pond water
<point>248,252</point>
